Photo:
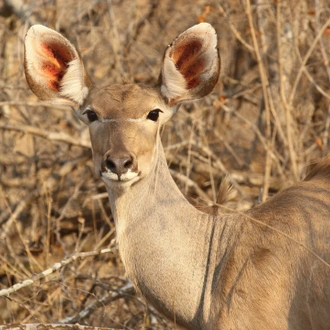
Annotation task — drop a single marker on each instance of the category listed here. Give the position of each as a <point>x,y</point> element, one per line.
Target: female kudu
<point>204,271</point>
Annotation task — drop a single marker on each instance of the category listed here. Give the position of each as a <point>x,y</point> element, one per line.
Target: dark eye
<point>91,115</point>
<point>154,114</point>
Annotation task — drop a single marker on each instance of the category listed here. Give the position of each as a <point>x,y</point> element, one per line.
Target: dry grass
<point>265,123</point>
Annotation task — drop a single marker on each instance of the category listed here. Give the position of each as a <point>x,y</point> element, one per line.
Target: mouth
<point>129,177</point>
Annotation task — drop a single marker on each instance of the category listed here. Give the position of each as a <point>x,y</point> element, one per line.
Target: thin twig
<point>304,61</point>
<point>126,290</point>
<point>57,266</point>
<point>35,104</point>
<point>191,184</point>
<point>287,106</point>
<point>233,28</point>
<point>49,326</point>
<point>52,136</point>
<point>327,67</point>
<point>7,223</point>
<point>264,83</point>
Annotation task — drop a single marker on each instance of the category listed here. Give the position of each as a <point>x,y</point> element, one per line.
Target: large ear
<point>53,68</point>
<point>191,65</point>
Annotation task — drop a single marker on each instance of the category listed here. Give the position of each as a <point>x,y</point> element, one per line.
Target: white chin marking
<point>126,177</point>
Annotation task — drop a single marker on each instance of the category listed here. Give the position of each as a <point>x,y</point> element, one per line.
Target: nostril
<point>119,165</point>
<point>128,163</point>
<point>110,165</point>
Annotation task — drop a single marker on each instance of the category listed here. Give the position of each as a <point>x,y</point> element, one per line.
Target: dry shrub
<point>265,123</point>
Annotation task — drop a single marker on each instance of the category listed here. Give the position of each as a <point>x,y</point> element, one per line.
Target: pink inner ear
<point>55,63</point>
<point>189,61</point>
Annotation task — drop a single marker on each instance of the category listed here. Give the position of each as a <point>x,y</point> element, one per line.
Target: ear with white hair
<point>53,67</point>
<point>191,65</point>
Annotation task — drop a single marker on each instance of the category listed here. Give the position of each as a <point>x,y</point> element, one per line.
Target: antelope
<point>262,269</point>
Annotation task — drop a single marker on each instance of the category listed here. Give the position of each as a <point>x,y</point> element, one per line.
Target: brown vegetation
<point>264,124</point>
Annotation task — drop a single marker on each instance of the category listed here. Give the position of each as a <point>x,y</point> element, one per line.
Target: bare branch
<point>126,290</point>
<point>52,136</point>
<point>57,266</point>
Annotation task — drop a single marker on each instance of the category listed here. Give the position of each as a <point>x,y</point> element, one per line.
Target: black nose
<point>119,165</point>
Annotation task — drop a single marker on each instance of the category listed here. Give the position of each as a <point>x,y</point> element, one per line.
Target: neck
<point>164,243</point>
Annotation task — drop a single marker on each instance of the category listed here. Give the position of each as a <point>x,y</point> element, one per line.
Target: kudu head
<point>124,119</point>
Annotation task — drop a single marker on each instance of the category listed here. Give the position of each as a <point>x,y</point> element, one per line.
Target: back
<point>275,273</point>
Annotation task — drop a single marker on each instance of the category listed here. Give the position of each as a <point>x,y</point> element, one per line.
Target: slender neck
<point>155,195</point>
<point>164,243</point>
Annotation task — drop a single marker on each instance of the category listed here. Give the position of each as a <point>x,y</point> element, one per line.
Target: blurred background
<point>264,125</point>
